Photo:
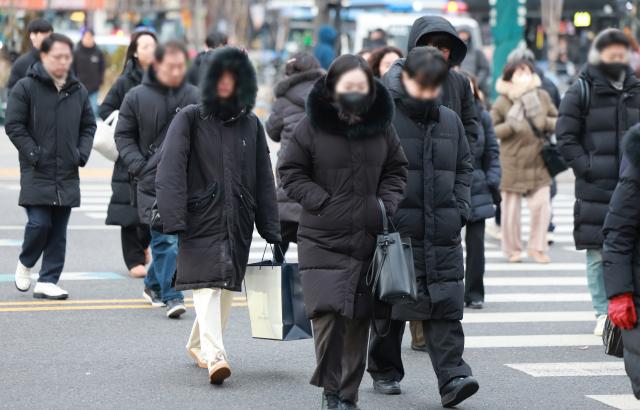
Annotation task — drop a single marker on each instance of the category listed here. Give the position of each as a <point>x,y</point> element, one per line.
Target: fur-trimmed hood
<point>322,113</point>
<point>291,81</point>
<point>514,91</point>
<point>236,61</point>
<point>632,145</point>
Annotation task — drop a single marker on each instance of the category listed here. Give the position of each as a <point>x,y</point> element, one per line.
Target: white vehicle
<point>398,26</point>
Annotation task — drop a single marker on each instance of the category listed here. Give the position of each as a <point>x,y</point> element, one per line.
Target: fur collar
<point>288,82</point>
<point>632,145</point>
<point>514,91</point>
<point>322,114</point>
<point>236,61</point>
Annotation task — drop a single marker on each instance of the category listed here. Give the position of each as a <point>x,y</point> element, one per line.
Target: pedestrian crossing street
<point>528,306</point>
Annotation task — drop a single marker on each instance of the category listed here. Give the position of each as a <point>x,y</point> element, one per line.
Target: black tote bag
<point>274,298</point>
<point>612,339</point>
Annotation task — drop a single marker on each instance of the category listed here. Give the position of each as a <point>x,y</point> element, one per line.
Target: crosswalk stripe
<point>535,267</point>
<point>570,369</point>
<point>536,281</point>
<point>526,317</point>
<point>9,277</point>
<point>618,401</point>
<point>536,297</point>
<point>484,342</point>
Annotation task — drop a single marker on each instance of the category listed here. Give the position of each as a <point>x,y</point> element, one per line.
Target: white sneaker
<point>45,290</point>
<point>23,277</point>
<point>599,329</point>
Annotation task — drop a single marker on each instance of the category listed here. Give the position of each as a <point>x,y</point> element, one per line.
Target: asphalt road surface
<point>531,347</point>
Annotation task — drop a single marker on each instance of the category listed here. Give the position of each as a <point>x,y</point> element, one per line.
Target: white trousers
<point>212,311</point>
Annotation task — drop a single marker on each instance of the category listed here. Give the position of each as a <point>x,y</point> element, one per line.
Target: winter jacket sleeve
<point>621,228</point>
<point>469,118</point>
<point>113,100</point>
<point>18,71</point>
<point>275,122</point>
<point>569,130</point>
<point>464,174</point>
<point>171,175</point>
<point>17,123</point>
<point>127,136</point>
<point>87,131</point>
<point>295,171</point>
<point>393,179</point>
<point>267,219</point>
<point>501,127</point>
<point>491,154</point>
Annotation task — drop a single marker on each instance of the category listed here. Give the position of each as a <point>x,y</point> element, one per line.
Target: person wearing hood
<point>135,236</point>
<point>38,30</point>
<point>589,131</point>
<point>145,115</point>
<point>215,39</point>
<point>621,256</point>
<point>343,158</point>
<point>475,62</point>
<point>435,208</point>
<point>521,115</point>
<point>50,122</point>
<point>301,72</point>
<point>88,65</point>
<point>325,50</point>
<point>214,182</point>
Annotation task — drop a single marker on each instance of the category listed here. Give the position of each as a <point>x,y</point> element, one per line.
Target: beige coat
<point>523,168</point>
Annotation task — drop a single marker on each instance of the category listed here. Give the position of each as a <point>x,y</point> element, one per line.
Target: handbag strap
<point>385,220</point>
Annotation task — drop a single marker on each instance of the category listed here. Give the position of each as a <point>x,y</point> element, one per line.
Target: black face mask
<point>352,103</point>
<point>418,109</point>
<point>613,70</point>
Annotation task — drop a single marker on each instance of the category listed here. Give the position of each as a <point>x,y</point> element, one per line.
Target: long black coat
<point>121,211</point>
<point>436,205</point>
<point>287,111</point>
<point>591,143</point>
<point>456,93</point>
<point>53,132</point>
<point>21,66</point>
<point>621,251</point>
<point>144,118</point>
<point>486,169</point>
<point>215,180</point>
<point>336,172</point>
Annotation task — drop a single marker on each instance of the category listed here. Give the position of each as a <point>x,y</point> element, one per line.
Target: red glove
<point>622,311</point>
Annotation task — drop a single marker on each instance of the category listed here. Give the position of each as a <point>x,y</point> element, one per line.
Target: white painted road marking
<point>570,369</point>
<point>536,281</point>
<point>527,317</point>
<point>484,342</point>
<point>536,297</point>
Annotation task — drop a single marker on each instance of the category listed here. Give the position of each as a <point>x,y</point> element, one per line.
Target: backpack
<point>585,96</point>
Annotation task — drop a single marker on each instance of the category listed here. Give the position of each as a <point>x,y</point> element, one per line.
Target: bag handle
<point>385,220</point>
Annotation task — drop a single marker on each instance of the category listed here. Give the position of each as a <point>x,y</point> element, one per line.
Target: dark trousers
<point>341,354</point>
<point>474,272</point>
<point>46,235</point>
<point>135,240</point>
<point>445,343</point>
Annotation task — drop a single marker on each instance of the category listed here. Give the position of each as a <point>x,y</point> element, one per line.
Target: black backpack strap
<point>585,96</point>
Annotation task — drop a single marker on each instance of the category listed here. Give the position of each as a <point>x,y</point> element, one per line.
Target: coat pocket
<point>200,200</point>
<point>204,213</point>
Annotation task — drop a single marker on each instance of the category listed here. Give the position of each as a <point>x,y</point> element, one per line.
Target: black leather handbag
<point>553,159</point>
<point>392,276</point>
<point>612,339</point>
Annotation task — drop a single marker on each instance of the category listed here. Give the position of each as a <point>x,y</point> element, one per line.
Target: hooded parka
<point>336,171</point>
<point>523,168</point>
<point>589,139</point>
<point>53,132</point>
<point>287,111</point>
<point>436,205</point>
<point>215,180</point>
<point>621,251</point>
<point>145,115</point>
<point>121,211</point>
<point>456,93</point>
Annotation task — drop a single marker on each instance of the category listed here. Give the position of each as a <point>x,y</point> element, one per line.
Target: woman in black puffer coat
<point>135,237</point>
<point>621,256</point>
<point>485,195</point>
<point>344,155</point>
<point>301,72</point>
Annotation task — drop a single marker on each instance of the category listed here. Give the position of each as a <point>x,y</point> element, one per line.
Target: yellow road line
<point>95,307</point>
<point>88,301</point>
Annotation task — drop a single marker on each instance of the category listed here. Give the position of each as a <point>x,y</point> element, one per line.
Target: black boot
<point>458,390</point>
<point>330,401</point>
<point>387,386</point>
<point>347,405</point>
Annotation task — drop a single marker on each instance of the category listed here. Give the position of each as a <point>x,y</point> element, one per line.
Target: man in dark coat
<point>214,40</point>
<point>589,139</point>
<point>38,29</point>
<point>145,115</point>
<point>49,120</point>
<point>214,182</point>
<point>435,208</point>
<point>88,65</point>
<point>301,72</point>
<point>621,256</point>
